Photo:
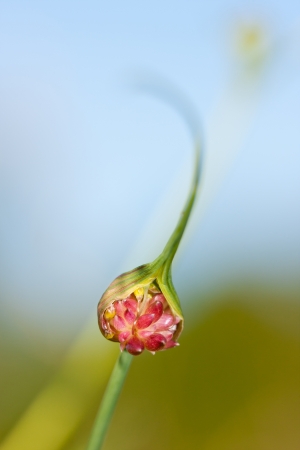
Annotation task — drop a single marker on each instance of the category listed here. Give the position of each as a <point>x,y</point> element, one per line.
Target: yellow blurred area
<point>234,383</point>
<point>252,43</point>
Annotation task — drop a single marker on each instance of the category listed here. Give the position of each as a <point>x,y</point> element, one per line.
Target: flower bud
<point>136,313</point>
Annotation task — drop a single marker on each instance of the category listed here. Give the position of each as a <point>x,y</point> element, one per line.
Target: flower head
<point>142,320</point>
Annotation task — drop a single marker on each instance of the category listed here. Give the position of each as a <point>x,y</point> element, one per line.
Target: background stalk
<point>109,401</point>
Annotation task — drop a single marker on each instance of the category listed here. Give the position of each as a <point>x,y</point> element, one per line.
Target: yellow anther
<point>109,335</point>
<point>139,293</point>
<point>109,314</point>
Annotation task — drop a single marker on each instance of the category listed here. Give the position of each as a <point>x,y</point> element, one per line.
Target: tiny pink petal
<point>171,344</point>
<point>118,323</point>
<point>134,346</point>
<point>123,336</point>
<point>131,304</point>
<point>104,323</point>
<point>159,298</point>
<point>165,321</point>
<point>119,307</point>
<point>155,309</point>
<point>144,321</point>
<point>155,342</point>
<point>144,334</point>
<point>167,334</point>
<point>129,316</point>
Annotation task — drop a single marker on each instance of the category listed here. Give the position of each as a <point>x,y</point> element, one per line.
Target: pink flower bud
<point>142,320</point>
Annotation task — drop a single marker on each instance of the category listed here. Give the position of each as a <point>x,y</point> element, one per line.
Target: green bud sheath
<point>140,309</point>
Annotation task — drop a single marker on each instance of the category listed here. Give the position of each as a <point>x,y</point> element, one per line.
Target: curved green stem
<point>109,401</point>
<point>164,261</point>
<point>174,240</point>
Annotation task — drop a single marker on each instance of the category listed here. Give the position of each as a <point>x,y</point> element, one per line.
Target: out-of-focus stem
<point>109,401</point>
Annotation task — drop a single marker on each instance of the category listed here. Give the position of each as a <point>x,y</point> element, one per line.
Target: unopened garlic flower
<point>140,309</point>
<point>143,320</point>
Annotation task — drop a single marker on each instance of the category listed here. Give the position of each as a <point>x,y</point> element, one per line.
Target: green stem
<point>163,263</point>
<point>170,249</point>
<point>109,400</point>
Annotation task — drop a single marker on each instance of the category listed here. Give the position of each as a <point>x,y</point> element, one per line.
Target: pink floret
<point>137,326</point>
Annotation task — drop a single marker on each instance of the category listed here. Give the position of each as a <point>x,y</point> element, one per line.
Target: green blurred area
<point>234,382</point>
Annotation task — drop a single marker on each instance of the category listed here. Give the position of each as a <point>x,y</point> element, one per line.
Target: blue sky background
<point>85,159</point>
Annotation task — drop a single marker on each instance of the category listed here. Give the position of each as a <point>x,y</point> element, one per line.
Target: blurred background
<point>93,176</point>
